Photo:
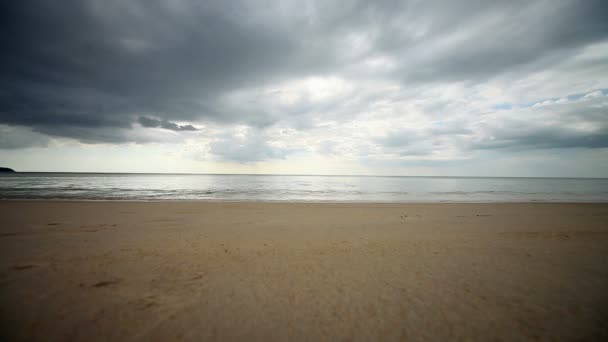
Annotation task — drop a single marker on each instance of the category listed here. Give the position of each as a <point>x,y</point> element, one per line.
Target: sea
<point>297,188</point>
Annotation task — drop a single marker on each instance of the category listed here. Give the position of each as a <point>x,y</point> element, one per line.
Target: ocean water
<point>98,186</point>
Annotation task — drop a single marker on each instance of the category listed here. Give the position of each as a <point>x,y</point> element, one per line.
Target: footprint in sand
<point>107,283</point>
<point>23,267</point>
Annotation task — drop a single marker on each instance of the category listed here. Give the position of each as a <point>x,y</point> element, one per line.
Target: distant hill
<point>6,169</point>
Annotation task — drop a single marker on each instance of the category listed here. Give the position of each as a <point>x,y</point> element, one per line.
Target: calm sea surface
<point>95,186</point>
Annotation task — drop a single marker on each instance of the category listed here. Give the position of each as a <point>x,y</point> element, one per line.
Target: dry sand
<point>112,271</point>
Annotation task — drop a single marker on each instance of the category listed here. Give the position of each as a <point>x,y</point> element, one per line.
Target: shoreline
<point>285,175</point>
<point>292,201</point>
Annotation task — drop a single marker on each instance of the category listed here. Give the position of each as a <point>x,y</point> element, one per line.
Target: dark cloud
<point>151,122</point>
<point>89,135</point>
<point>20,137</point>
<point>579,124</point>
<point>97,71</point>
<point>506,37</point>
<point>95,64</point>
<point>544,138</point>
<point>566,140</point>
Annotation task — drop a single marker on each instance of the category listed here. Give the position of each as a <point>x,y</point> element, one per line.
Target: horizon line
<point>293,174</point>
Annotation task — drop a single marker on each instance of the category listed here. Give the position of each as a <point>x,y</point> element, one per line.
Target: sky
<point>441,88</point>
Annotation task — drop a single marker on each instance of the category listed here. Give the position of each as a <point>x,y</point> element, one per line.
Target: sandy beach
<point>199,271</point>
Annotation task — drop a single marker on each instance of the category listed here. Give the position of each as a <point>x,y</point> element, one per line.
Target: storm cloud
<point>357,79</point>
<point>165,124</point>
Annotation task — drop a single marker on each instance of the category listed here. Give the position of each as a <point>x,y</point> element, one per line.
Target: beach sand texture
<point>202,271</point>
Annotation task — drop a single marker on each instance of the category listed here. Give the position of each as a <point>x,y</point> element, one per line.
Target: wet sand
<point>194,271</point>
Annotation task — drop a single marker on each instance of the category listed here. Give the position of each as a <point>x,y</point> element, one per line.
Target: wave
<point>335,188</point>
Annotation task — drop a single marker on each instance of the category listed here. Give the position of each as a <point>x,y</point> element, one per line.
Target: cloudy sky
<point>491,88</point>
